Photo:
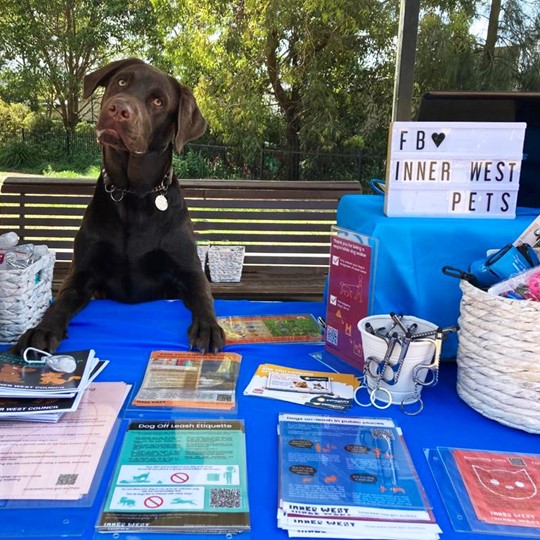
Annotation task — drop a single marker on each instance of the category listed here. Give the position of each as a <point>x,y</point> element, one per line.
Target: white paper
<point>58,461</point>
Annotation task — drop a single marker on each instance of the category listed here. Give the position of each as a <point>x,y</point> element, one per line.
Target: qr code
<point>224,397</point>
<point>67,479</point>
<point>225,498</point>
<point>332,335</point>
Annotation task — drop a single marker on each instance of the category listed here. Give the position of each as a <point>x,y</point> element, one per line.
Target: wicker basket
<point>499,358</point>
<point>25,294</point>
<point>225,263</point>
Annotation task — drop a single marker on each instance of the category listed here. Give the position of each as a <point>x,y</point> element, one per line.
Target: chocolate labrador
<point>136,241</point>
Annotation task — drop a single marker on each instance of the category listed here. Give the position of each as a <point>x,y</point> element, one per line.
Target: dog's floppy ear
<point>102,75</point>
<point>191,124</point>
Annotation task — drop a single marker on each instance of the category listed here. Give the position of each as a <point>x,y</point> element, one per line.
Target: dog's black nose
<point>120,110</point>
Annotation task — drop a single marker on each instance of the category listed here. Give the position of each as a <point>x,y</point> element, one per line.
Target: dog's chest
<point>136,270</point>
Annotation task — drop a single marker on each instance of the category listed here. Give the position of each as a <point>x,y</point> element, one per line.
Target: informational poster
<point>503,488</point>
<point>59,461</point>
<point>349,294</point>
<point>350,475</point>
<point>189,379</point>
<point>180,476</point>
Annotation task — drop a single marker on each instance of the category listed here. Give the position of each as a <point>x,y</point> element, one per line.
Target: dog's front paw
<point>44,339</point>
<point>206,335</point>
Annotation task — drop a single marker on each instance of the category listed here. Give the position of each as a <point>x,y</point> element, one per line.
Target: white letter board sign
<point>454,169</point>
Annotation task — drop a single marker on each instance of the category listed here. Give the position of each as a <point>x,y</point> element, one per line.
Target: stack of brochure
<point>180,476</point>
<point>349,478</point>
<point>64,461</point>
<point>322,390</point>
<point>43,390</point>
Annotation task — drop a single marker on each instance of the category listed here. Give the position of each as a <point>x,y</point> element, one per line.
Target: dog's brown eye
<point>122,82</point>
<point>157,102</point>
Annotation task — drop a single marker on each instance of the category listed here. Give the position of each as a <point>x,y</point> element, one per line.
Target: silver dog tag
<point>161,203</point>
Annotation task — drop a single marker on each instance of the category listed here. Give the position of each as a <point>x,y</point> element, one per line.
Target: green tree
<point>12,117</point>
<point>452,55</point>
<point>512,46</point>
<point>48,47</point>
<point>447,56</point>
<point>304,74</point>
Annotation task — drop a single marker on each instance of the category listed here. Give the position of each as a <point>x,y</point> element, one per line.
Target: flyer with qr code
<point>180,476</point>
<point>59,461</point>
<point>350,283</point>
<point>190,380</point>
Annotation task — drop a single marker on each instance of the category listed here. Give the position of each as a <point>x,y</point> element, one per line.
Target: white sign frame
<point>454,169</point>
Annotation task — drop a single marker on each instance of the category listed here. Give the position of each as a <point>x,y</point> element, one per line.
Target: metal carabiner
<point>432,368</point>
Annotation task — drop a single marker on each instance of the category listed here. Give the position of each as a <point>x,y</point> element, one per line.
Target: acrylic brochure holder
<point>58,518</point>
<point>350,292</point>
<point>184,476</point>
<point>488,492</point>
<point>180,383</point>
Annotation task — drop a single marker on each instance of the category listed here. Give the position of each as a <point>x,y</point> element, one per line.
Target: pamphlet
<point>186,379</point>
<point>338,472</point>
<point>301,328</point>
<point>45,409</point>
<point>21,378</point>
<point>332,391</point>
<point>310,384</point>
<point>350,283</point>
<point>59,461</point>
<point>180,476</point>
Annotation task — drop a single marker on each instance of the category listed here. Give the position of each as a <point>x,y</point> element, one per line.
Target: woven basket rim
<point>498,357</point>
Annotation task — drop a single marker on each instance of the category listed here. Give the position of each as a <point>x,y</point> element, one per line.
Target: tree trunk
<point>491,40</point>
<point>288,102</point>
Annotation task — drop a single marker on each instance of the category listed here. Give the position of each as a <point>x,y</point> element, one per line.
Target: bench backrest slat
<point>282,224</point>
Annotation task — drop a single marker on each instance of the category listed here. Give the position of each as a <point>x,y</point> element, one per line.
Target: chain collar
<point>117,194</point>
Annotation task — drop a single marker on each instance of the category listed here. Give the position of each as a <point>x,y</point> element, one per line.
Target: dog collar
<point>117,194</point>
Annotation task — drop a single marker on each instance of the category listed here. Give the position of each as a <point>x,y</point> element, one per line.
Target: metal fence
<point>220,161</point>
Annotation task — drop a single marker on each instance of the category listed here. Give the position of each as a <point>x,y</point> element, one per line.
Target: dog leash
<point>117,194</point>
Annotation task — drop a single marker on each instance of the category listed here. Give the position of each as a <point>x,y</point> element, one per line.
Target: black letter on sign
<point>472,196</point>
<point>456,199</point>
<point>402,139</point>
<point>504,207</point>
<point>420,140</point>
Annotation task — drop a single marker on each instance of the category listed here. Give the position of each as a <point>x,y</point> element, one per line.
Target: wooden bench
<point>285,227</point>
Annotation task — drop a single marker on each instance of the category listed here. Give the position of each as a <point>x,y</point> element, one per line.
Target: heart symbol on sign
<point>438,138</point>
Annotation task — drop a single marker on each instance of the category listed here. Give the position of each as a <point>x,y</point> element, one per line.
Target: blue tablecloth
<point>413,251</point>
<point>126,334</point>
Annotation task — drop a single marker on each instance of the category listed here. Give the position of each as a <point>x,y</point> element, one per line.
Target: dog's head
<point>143,108</point>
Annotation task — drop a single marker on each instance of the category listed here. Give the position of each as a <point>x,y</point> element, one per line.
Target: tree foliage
<point>284,75</point>
<point>46,48</point>
<point>304,74</point>
<point>12,117</point>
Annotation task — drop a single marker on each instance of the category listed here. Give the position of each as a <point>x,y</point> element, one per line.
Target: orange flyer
<point>189,379</point>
